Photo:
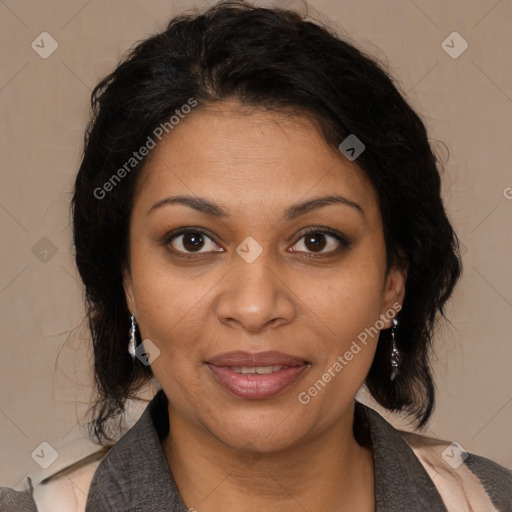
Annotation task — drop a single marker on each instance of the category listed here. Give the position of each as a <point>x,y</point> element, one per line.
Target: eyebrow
<point>210,208</point>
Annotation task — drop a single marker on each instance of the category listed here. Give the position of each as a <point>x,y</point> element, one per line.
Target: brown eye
<point>315,241</point>
<point>192,241</point>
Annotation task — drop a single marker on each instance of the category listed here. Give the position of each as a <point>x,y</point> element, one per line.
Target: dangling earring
<point>132,342</point>
<point>395,353</point>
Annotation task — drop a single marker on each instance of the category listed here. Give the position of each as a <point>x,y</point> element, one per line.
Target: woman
<point>259,228</point>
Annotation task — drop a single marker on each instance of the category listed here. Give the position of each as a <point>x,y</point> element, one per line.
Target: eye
<point>189,242</point>
<point>314,240</point>
<point>192,242</point>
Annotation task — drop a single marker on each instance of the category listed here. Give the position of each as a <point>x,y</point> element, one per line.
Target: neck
<point>328,472</point>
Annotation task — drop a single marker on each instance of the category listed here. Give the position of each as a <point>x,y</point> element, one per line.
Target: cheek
<point>171,315</point>
<point>166,299</point>
<point>350,308</point>
<point>351,299</point>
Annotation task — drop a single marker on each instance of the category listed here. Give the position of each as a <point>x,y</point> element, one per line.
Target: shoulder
<point>68,488</point>
<point>63,491</point>
<point>463,478</point>
<point>64,486</point>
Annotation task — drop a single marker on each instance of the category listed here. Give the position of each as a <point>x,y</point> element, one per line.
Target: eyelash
<point>341,239</point>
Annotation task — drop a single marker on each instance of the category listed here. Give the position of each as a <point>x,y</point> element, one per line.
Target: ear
<point>128,291</point>
<point>394,292</point>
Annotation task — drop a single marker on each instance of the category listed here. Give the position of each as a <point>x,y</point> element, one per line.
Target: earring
<point>132,342</point>
<point>395,353</point>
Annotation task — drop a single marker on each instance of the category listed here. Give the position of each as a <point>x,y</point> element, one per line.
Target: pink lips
<point>253,385</point>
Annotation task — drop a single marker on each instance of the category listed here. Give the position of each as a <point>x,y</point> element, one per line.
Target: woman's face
<point>247,278</point>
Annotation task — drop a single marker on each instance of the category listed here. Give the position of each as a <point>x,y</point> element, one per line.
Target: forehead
<point>243,155</point>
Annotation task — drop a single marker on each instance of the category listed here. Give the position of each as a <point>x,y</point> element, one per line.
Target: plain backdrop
<point>464,97</point>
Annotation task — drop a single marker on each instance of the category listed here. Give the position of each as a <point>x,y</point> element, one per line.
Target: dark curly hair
<point>273,59</point>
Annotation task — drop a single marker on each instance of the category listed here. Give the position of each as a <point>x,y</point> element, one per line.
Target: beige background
<point>466,103</point>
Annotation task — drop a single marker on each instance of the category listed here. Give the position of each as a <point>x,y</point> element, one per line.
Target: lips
<point>256,375</point>
<point>257,359</point>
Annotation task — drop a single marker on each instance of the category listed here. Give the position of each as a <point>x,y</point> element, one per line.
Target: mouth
<point>260,370</point>
<point>256,375</point>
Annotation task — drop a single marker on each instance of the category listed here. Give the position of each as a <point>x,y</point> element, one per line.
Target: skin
<point>225,452</point>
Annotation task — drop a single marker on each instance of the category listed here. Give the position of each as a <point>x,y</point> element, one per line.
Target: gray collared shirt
<point>134,475</point>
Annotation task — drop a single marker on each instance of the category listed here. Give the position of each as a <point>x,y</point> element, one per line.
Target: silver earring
<point>132,342</point>
<point>395,353</point>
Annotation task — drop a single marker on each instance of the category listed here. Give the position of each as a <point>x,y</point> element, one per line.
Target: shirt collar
<point>401,482</point>
<point>134,475</point>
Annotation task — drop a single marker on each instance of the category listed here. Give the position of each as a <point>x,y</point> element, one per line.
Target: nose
<point>254,296</point>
